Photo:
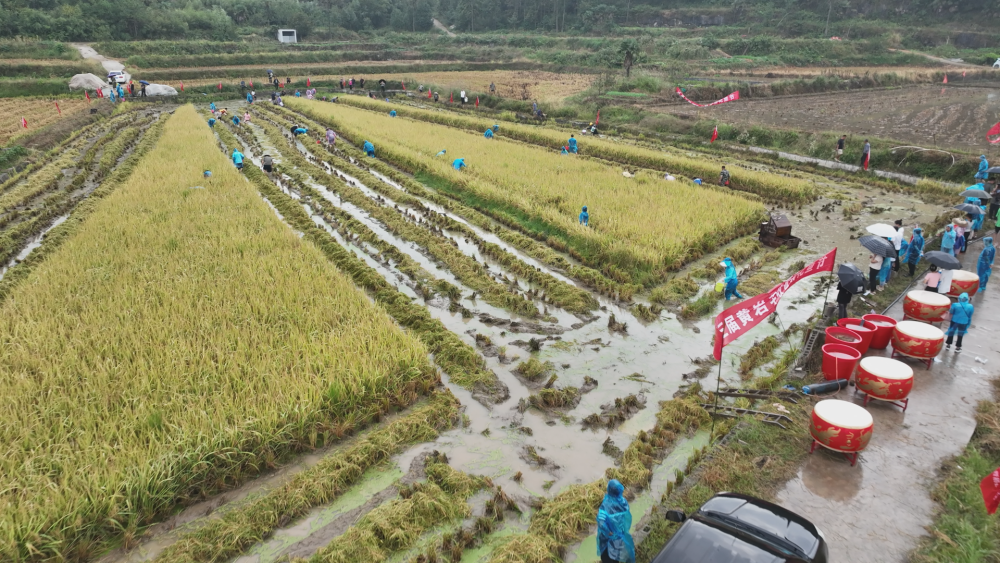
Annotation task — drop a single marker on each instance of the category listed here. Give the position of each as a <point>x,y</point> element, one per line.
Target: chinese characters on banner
<point>730,98</point>
<point>735,321</point>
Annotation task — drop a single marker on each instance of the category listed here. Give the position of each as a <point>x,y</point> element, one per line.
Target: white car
<point>116,77</point>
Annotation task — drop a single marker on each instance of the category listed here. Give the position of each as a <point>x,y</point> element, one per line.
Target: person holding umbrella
<point>915,250</point>
<point>961,317</point>
<point>874,269</point>
<point>985,265</point>
<point>851,281</point>
<point>948,240</point>
<point>975,218</point>
<point>881,249</point>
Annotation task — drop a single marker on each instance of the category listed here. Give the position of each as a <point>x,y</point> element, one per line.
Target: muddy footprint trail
<point>566,384</point>
<point>44,195</point>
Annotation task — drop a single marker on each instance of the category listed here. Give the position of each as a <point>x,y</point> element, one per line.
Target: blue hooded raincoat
<point>237,157</point>
<point>732,279</point>
<point>916,247</point>
<point>983,165</point>
<point>584,217</point>
<point>458,164</point>
<point>977,220</point>
<point>369,148</point>
<point>948,240</point>
<point>572,145</point>
<point>961,316</point>
<point>488,134</point>
<point>613,524</point>
<point>985,264</point>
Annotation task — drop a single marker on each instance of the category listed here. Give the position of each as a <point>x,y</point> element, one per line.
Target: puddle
<point>33,244</point>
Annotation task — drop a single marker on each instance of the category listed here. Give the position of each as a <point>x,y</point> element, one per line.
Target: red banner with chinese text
<point>735,321</point>
<point>990,486</point>
<point>730,98</point>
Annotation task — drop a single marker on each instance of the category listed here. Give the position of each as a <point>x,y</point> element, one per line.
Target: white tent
<point>86,82</point>
<point>160,90</point>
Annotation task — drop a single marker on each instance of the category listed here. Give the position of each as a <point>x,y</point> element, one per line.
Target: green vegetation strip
<point>460,361</point>
<point>253,521</point>
<point>183,339</point>
<point>771,187</point>
<point>398,524</point>
<point>514,234</point>
<point>962,530</point>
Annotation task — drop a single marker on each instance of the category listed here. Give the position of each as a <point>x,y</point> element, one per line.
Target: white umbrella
<point>882,230</point>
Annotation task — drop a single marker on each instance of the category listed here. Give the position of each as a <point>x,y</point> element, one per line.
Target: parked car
<point>732,528</point>
<point>116,77</point>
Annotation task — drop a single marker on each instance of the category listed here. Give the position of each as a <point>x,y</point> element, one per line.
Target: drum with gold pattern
<point>925,306</point>
<point>917,340</point>
<point>841,426</point>
<point>884,379</point>
<point>963,281</point>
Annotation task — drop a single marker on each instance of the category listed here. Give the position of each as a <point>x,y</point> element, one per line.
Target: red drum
<point>839,335</point>
<point>883,330</point>
<point>841,426</point>
<point>885,379</point>
<point>917,340</point>
<point>857,325</point>
<point>839,361</point>
<point>963,281</point>
<point>925,306</point>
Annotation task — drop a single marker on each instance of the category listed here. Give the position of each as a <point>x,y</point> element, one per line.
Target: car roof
<point>765,516</point>
<point>698,542</point>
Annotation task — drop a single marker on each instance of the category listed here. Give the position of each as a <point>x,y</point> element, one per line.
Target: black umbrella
<point>993,170</point>
<point>878,245</point>
<point>976,193</point>
<point>851,277</point>
<point>144,82</point>
<point>970,209</point>
<point>943,260</point>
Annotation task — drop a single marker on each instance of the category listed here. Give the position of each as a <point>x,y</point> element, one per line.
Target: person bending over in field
<point>488,134</point>
<point>211,122</point>
<point>392,113</point>
<point>369,149</point>
<point>236,121</point>
<point>724,177</point>
<point>441,152</point>
<point>459,163</point>
<point>238,159</point>
<point>585,217</point>
<point>267,163</point>
<point>300,131</point>
<point>331,137</point>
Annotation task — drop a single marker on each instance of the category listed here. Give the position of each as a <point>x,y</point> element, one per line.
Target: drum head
<point>929,298</point>
<point>887,368</point>
<point>964,276</point>
<point>843,414</point>
<point>922,331</point>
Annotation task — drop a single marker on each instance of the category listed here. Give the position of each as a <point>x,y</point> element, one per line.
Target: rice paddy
<point>37,112</point>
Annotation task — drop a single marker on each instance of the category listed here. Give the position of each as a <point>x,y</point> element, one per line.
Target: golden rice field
<point>769,186</point>
<point>180,340</point>
<point>643,225</point>
<point>39,112</point>
<point>537,85</point>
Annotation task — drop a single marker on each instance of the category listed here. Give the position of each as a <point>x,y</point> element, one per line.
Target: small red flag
<point>87,94</point>
<point>428,93</point>
<point>251,82</point>
<point>963,74</point>
<point>24,123</point>
<point>477,102</point>
<point>182,85</point>
<point>990,486</point>
<point>100,92</point>
<point>715,134</point>
<point>451,99</point>
<point>308,82</point>
<point>868,157</point>
<point>220,86</point>
<point>994,132</point>
<point>404,86</point>
<point>945,81</point>
<point>57,108</point>
<point>598,120</point>
<point>281,85</point>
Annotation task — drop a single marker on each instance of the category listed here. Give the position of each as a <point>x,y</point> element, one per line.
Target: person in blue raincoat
<point>249,98</point>
<point>369,148</point>
<point>614,520</point>
<point>985,265</point>
<point>441,152</point>
<point>496,127</point>
<point>884,271</point>
<point>236,121</point>
<point>238,159</point>
<point>211,107</point>
<point>983,166</point>
<point>915,250</point>
<point>459,163</point>
<point>211,122</point>
<point>732,279</point>
<point>948,240</point>
<point>299,131</point>
<point>565,150</point>
<point>961,316</point>
<point>392,113</point>
<point>488,134</point>
<point>121,92</point>
<point>572,144</point>
<point>585,217</point>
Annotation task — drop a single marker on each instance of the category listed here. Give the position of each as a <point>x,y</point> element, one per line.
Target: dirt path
<point>88,52</point>
<point>950,62</point>
<point>878,510</point>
